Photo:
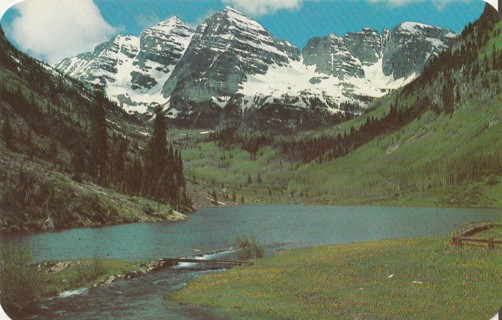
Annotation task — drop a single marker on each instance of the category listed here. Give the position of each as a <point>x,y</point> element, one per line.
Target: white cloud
<point>55,29</point>
<point>263,7</point>
<point>440,4</point>
<point>147,21</point>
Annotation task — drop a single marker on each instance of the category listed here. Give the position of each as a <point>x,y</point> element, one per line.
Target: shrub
<point>492,180</point>
<point>20,282</point>
<point>248,248</point>
<point>88,273</point>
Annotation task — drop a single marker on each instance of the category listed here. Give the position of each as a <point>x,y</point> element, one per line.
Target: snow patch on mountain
<point>296,85</point>
<point>377,79</point>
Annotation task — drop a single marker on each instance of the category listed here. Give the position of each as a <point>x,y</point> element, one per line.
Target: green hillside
<point>70,158</point>
<point>436,142</point>
<point>449,155</point>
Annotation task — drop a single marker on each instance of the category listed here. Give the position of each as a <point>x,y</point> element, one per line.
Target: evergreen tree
<point>134,177</point>
<point>78,160</point>
<point>158,145</point>
<point>7,132</point>
<point>53,151</point>
<point>163,174</point>
<point>156,158</point>
<point>99,143</point>
<point>179,169</point>
<point>447,96</point>
<point>119,158</point>
<point>458,97</point>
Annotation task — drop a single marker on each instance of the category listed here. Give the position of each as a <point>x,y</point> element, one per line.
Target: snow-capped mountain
<point>396,56</point>
<point>232,69</point>
<point>133,70</point>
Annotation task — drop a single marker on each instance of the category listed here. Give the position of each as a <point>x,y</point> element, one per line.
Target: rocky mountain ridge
<point>133,69</point>
<point>232,70</point>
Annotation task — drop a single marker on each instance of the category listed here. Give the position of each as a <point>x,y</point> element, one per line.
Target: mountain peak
<point>167,26</point>
<point>173,21</point>
<point>369,30</point>
<point>334,36</point>
<point>232,10</point>
<point>415,27</point>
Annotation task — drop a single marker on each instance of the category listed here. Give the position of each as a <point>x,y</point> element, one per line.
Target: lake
<point>276,227</point>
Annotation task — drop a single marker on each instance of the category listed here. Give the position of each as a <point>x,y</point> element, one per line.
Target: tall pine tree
<point>447,95</point>
<point>99,139</point>
<point>156,158</point>
<point>163,178</point>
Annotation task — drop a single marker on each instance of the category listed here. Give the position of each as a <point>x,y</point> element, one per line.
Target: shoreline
<point>175,216</point>
<point>180,217</point>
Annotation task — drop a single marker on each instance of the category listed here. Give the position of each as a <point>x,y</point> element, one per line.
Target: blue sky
<point>47,30</point>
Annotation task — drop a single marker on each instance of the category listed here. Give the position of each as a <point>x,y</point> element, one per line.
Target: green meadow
<point>393,279</point>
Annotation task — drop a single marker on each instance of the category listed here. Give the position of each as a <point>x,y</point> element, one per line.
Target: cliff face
<point>410,46</point>
<point>402,52</point>
<point>330,55</point>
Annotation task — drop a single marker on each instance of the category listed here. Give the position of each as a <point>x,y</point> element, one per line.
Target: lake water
<point>276,227</point>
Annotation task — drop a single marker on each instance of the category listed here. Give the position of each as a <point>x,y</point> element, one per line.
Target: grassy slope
<point>414,165</point>
<point>352,282</point>
<point>404,167</point>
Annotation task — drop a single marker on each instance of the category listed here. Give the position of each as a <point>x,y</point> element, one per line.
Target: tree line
<point>327,148</point>
<point>155,172</point>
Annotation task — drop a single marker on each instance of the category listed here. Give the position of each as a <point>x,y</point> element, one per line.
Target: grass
<point>373,280</point>
<point>213,168</point>
<point>19,282</point>
<point>84,275</point>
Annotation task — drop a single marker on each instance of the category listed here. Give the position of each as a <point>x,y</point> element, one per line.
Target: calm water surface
<point>215,228</point>
<point>277,227</point>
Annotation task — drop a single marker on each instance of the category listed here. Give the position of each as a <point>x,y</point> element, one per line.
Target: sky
<point>51,30</point>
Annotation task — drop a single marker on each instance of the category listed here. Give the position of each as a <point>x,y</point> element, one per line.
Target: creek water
<point>276,227</point>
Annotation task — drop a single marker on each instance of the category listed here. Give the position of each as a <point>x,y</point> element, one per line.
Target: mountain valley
<point>432,142</point>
